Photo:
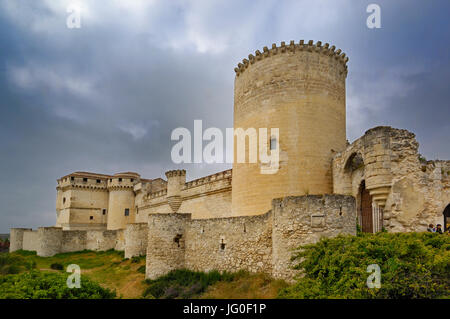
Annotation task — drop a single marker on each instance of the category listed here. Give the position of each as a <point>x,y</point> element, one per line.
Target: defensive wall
<point>260,243</point>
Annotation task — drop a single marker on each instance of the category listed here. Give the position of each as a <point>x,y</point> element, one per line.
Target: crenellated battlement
<point>293,47</point>
<point>177,172</point>
<point>208,179</point>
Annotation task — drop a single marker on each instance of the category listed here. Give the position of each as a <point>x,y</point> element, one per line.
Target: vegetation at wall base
<point>42,285</point>
<point>183,283</point>
<point>413,265</point>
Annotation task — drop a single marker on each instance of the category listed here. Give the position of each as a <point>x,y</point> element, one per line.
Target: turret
<point>175,181</point>
<point>121,200</point>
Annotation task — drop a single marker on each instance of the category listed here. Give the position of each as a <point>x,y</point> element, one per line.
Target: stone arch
<point>354,162</point>
<point>446,215</point>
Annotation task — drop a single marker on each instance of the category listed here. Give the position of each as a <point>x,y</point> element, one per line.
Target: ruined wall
<point>411,191</point>
<point>230,244</point>
<point>136,240</point>
<point>304,220</point>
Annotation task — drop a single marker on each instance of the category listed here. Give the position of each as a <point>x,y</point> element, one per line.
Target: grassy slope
<point>111,270</point>
<point>108,268</point>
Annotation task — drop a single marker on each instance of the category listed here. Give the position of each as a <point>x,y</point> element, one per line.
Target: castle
<point>240,218</point>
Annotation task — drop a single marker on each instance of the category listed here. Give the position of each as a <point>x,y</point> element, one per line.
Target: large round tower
<point>299,89</point>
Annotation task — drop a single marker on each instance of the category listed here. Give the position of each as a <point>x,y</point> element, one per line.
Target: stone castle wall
<point>16,238</point>
<point>49,241</point>
<point>304,220</point>
<point>230,244</point>
<point>261,243</point>
<point>136,239</point>
<point>206,197</point>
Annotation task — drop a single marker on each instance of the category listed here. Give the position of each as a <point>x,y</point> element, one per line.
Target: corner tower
<point>300,89</point>
<point>121,200</point>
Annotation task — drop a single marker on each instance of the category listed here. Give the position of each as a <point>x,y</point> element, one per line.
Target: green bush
<point>57,266</point>
<point>413,265</point>
<point>41,285</point>
<point>11,264</point>
<point>141,269</point>
<point>135,259</point>
<point>183,283</point>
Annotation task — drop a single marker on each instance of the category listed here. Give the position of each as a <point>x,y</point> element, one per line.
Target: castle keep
<point>241,218</point>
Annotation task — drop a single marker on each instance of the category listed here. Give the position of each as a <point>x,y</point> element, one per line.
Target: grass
<point>246,286</point>
<point>108,268</point>
<point>182,284</point>
<point>127,276</point>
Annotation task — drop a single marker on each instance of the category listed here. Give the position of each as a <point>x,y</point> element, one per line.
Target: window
<point>273,143</point>
<point>85,179</point>
<point>110,180</point>
<point>72,178</point>
<point>104,211</point>
<point>127,212</point>
<point>64,200</point>
<point>98,181</point>
<point>120,179</point>
<point>132,180</point>
<point>91,217</point>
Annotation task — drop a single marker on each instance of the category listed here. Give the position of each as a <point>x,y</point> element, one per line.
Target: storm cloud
<point>105,97</point>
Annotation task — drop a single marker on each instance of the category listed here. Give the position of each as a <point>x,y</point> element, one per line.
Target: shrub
<point>57,266</point>
<point>12,264</point>
<point>413,265</point>
<point>183,283</point>
<point>135,259</point>
<point>40,285</point>
<point>141,269</point>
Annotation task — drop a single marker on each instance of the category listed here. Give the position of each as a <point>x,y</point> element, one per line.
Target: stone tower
<point>175,181</point>
<point>300,89</point>
<point>121,200</point>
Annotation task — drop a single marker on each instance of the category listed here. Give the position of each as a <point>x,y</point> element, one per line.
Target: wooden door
<point>366,211</point>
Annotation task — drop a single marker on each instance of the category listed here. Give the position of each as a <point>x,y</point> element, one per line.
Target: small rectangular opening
<point>98,181</point>
<point>273,143</point>
<point>72,178</point>
<point>127,212</point>
<point>104,211</point>
<point>91,217</point>
<point>120,179</point>
<point>85,179</point>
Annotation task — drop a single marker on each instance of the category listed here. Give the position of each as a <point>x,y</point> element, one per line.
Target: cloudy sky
<point>105,97</point>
